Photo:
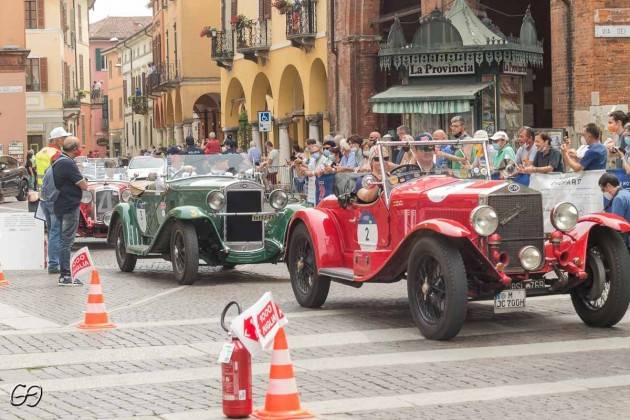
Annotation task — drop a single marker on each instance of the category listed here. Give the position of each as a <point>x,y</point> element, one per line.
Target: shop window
<point>489,105</point>
<point>511,103</point>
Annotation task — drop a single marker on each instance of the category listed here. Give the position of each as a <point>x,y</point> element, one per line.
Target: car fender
<point>443,227</point>
<point>278,227</point>
<point>193,214</point>
<point>324,234</point>
<point>122,213</point>
<point>610,220</point>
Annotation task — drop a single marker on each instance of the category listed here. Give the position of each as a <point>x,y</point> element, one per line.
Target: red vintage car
<point>107,186</point>
<point>456,240</point>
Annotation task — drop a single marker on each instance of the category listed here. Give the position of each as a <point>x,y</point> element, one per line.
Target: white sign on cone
<point>81,264</point>
<point>257,326</point>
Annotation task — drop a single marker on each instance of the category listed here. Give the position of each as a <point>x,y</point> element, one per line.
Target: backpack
<point>49,191</point>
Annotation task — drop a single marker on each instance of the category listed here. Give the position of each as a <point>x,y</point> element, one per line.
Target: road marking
<point>14,318</point>
<point>73,357</point>
<point>337,363</point>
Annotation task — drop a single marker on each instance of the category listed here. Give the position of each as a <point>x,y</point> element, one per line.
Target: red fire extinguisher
<point>236,374</point>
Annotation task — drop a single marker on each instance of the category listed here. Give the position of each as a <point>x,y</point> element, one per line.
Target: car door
<point>9,175</point>
<point>150,210</point>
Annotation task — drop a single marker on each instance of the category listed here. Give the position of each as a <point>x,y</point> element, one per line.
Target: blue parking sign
<point>264,121</point>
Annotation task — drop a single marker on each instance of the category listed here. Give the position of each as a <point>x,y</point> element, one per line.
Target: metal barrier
<point>278,178</point>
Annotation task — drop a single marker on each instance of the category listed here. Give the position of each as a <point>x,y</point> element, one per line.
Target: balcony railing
<point>302,23</point>
<point>139,105</point>
<point>254,38</point>
<point>72,103</point>
<point>223,48</point>
<point>163,74</point>
<point>96,96</point>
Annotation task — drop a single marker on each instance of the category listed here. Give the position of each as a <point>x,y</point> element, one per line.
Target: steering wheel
<point>403,169</point>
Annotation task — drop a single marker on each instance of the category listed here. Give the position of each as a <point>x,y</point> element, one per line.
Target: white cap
<point>500,135</point>
<point>480,135</point>
<point>58,133</point>
<point>387,136</point>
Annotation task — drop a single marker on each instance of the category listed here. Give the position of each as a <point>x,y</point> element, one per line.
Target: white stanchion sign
<point>21,242</point>
<point>257,326</point>
<point>579,188</point>
<point>81,264</point>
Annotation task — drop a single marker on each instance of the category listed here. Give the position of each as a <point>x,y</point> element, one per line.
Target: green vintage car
<point>207,210</point>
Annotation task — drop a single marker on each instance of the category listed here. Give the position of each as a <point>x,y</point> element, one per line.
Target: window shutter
<point>234,11</point>
<point>41,22</point>
<point>265,9</point>
<point>99,60</point>
<point>43,74</point>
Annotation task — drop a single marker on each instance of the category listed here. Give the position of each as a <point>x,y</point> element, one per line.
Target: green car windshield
<point>188,166</point>
<point>102,170</point>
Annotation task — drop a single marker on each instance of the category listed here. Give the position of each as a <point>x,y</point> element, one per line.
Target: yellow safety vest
<point>43,160</point>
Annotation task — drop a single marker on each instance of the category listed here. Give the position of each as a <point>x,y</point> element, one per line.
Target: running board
<point>341,275</point>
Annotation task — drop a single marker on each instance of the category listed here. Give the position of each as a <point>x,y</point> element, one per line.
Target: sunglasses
<point>378,159</point>
<point>425,148</point>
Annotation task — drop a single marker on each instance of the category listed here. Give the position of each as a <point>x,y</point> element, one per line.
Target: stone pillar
<point>314,122</point>
<point>179,134</point>
<point>161,133</point>
<point>284,143</point>
<point>170,135</point>
<point>256,136</point>
<point>188,129</point>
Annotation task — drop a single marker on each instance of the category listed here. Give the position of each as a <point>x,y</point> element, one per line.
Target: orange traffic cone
<point>282,400</point>
<point>3,280</point>
<point>95,315</point>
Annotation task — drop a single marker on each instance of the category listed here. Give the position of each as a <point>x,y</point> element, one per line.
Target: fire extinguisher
<point>236,373</point>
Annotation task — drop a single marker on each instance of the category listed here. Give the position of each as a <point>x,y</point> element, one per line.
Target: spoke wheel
<point>310,289</point>
<point>126,262</point>
<point>602,300</point>
<point>437,288</point>
<point>185,252</point>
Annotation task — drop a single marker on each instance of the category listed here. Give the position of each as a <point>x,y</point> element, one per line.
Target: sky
<point>104,8</point>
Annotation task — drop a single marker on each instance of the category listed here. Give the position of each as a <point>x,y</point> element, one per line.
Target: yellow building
<point>115,98</point>
<point>185,87</point>
<point>58,72</point>
<point>274,59</point>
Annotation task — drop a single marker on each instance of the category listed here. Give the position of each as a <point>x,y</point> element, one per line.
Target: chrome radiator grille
<point>520,221</point>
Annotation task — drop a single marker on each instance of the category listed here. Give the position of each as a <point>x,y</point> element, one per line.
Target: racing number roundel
<point>141,216</point>
<point>367,231</point>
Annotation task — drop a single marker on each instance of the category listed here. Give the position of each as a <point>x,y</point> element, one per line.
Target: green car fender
<point>277,228</point>
<point>185,213</point>
<point>121,214</point>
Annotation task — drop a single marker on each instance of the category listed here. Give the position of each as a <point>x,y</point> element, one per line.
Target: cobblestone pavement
<point>360,356</point>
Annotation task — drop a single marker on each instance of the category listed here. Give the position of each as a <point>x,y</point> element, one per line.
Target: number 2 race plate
<point>509,301</point>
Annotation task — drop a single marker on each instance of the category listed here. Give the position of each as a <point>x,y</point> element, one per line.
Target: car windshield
<point>463,159</point>
<point>146,162</point>
<point>186,166</point>
<point>102,170</point>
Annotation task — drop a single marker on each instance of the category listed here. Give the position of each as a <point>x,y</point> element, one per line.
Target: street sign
<point>612,31</point>
<point>264,121</point>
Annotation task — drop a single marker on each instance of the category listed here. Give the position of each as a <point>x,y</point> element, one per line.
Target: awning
<point>427,98</point>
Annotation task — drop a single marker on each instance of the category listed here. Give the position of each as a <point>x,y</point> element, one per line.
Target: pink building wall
<point>12,110</point>
<point>96,112</point>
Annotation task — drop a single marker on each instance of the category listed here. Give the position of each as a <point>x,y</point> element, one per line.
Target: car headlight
<point>278,199</point>
<point>107,218</point>
<point>530,258</point>
<point>125,195</point>
<point>216,200</point>
<point>564,216</point>
<point>484,220</point>
<point>86,198</point>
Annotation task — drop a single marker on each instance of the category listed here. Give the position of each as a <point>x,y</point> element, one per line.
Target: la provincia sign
<point>442,68</point>
<point>81,264</point>
<point>257,326</point>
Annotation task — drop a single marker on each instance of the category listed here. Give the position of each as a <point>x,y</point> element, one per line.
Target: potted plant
<point>241,21</point>
<point>208,31</point>
<point>283,6</point>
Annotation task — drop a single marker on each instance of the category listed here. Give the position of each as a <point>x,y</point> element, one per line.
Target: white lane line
<point>73,357</point>
<point>354,405</point>
<point>14,318</point>
<point>337,363</point>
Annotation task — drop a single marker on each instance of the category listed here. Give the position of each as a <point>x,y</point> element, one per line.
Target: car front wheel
<point>185,252</point>
<point>310,289</point>
<point>602,301</point>
<point>22,191</point>
<point>126,262</point>
<point>437,288</point>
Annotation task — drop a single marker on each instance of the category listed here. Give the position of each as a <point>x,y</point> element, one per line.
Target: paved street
<point>358,357</point>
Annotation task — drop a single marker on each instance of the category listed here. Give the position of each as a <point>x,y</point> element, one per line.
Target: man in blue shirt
<point>616,199</point>
<point>596,155</point>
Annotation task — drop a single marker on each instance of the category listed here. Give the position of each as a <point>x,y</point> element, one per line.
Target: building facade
<point>13,55</point>
<point>104,34</point>
<point>274,57</point>
<point>58,72</point>
<point>185,85</point>
<point>115,101</point>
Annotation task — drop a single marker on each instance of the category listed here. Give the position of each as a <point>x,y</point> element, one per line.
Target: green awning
<point>427,98</point>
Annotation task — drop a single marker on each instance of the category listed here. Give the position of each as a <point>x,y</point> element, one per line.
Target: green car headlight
<point>216,200</point>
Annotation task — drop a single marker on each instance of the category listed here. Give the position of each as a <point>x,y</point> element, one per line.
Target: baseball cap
<point>58,133</point>
<point>500,135</point>
<point>481,135</point>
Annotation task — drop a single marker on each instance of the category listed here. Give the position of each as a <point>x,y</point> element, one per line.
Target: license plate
<point>261,217</point>
<point>510,301</point>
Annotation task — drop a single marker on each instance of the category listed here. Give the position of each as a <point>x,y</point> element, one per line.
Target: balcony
<point>223,48</point>
<point>302,24</point>
<point>72,103</point>
<point>253,39</point>
<point>164,76</point>
<point>139,105</point>
<point>96,96</point>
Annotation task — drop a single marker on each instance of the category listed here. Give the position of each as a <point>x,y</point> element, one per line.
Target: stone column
<point>161,132</point>
<point>256,136</point>
<point>170,135</point>
<point>313,126</point>
<point>284,143</point>
<point>188,129</point>
<point>179,134</point>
